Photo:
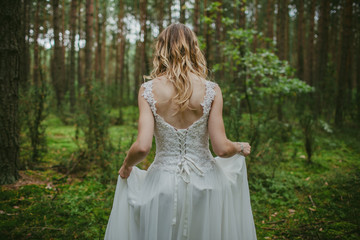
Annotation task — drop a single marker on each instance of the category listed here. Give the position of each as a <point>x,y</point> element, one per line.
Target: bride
<point>186,193</point>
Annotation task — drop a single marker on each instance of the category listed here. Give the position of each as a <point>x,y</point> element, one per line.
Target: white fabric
<point>186,193</point>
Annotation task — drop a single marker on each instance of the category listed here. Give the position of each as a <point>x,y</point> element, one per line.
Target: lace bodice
<point>182,150</point>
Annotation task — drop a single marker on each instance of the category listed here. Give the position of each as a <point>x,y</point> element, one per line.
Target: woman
<point>186,193</point>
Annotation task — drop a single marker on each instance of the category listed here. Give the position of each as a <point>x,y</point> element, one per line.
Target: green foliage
<point>265,74</point>
<point>77,211</point>
<point>77,206</point>
<point>33,111</point>
<point>307,201</point>
<point>93,120</point>
<point>307,124</point>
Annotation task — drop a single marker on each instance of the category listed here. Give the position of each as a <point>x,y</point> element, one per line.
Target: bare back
<point>164,91</point>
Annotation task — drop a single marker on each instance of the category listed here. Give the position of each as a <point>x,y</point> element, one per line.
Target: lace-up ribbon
<point>184,168</point>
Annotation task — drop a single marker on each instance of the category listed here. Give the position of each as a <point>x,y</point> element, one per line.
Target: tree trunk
<point>79,62</point>
<point>196,16</point>
<point>358,80</point>
<point>309,69</point>
<point>270,22</point>
<point>137,69</point>
<point>242,16</point>
<point>143,37</point>
<point>182,11</point>
<point>344,75</point>
<point>358,66</point>
<point>111,59</point>
<point>286,30</point>
<point>36,46</point>
<point>218,39</point>
<point>206,36</point>
<point>127,77</point>
<point>89,42</point>
<point>121,39</point>
<point>103,43</point>
<point>25,60</point>
<point>58,75</point>
<point>256,19</point>
<point>9,89</point>
<point>91,138</point>
<point>334,36</point>
<point>281,32</point>
<point>98,44</point>
<point>322,54</point>
<point>64,79</point>
<point>300,40</point>
<point>169,10</point>
<point>282,40</point>
<point>72,53</point>
<point>160,15</point>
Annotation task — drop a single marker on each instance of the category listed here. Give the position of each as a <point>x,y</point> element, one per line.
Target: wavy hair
<point>177,53</point>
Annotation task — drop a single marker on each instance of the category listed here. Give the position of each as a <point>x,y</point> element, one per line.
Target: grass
<point>291,199</point>
<point>320,200</point>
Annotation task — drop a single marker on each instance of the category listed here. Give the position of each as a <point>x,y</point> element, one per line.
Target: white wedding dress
<point>186,193</point>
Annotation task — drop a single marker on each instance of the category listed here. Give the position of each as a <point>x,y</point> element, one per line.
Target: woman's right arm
<point>221,145</point>
<point>141,147</point>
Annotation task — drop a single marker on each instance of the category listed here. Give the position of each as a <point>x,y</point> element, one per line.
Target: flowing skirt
<point>159,205</point>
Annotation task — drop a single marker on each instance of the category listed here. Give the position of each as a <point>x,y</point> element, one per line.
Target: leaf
<point>291,211</point>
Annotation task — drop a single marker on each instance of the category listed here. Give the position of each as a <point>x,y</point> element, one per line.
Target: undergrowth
<point>291,198</point>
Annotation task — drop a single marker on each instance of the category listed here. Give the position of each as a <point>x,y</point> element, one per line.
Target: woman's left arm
<point>141,147</point>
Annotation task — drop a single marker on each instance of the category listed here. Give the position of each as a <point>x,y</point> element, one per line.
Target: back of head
<point>177,54</point>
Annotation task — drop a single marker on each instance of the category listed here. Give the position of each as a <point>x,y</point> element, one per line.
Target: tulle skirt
<point>159,205</point>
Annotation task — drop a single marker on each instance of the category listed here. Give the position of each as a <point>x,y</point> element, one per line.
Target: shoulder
<point>146,88</point>
<point>211,84</point>
<point>213,87</point>
<point>147,84</point>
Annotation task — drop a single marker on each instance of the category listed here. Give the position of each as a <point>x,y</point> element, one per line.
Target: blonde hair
<point>177,53</point>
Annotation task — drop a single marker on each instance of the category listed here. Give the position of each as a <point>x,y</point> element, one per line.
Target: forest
<point>289,71</point>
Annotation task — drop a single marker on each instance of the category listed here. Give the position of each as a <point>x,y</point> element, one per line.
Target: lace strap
<point>148,95</point>
<point>209,96</point>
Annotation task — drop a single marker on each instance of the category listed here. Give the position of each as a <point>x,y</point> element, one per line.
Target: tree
<point>36,46</point>
<point>344,75</point>
<point>310,45</point>
<point>120,57</point>
<point>97,41</point>
<point>281,29</point>
<point>25,46</point>
<point>79,62</point>
<point>218,38</point>
<point>270,21</point>
<point>160,14</point>
<point>358,63</point>
<point>169,10</point>
<point>300,40</point>
<point>207,36</point>
<point>103,43</point>
<point>72,53</point>
<point>120,51</point>
<point>89,43</point>
<point>242,16</point>
<point>322,54</point>
<point>255,26</point>
<point>9,89</point>
<point>100,33</point>
<point>142,44</point>
<point>182,11</point>
<point>58,75</point>
<point>196,16</point>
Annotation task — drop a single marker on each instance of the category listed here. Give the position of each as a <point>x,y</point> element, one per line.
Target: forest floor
<point>291,199</point>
